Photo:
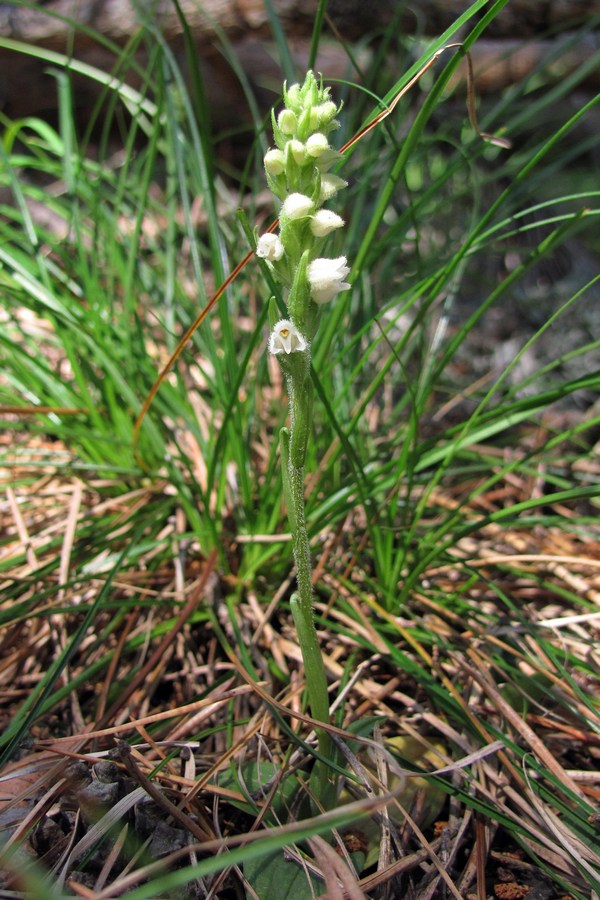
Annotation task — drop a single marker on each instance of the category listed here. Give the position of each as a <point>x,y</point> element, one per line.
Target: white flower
<point>326,276</point>
<point>330,185</point>
<point>287,121</point>
<point>275,162</point>
<point>325,221</point>
<point>285,338</point>
<point>269,247</point>
<point>317,144</point>
<point>296,206</point>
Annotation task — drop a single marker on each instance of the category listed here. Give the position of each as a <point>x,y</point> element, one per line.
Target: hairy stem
<point>293,447</point>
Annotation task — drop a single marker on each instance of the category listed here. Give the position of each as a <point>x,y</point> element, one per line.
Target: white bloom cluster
<point>298,173</point>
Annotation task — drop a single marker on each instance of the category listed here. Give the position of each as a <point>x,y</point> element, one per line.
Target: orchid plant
<point>298,173</point>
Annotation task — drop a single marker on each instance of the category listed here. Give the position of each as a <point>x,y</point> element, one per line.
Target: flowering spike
<point>298,174</point>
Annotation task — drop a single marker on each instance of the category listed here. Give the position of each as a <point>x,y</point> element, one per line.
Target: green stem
<point>302,608</point>
<point>293,452</point>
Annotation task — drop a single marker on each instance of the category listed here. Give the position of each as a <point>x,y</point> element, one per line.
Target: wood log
<point>26,88</point>
<point>118,20</point>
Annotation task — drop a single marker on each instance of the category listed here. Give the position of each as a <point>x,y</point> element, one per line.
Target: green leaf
<point>275,878</point>
<point>251,778</point>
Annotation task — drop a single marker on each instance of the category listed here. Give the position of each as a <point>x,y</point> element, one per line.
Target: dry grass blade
<point>99,830</point>
<point>588,858</point>
<point>407,863</point>
<point>522,728</point>
<point>111,859</point>
<point>341,882</point>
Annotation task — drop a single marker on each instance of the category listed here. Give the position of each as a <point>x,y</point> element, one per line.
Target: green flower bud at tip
<point>322,115</point>
<point>317,144</point>
<point>297,150</point>
<point>287,121</point>
<point>275,162</point>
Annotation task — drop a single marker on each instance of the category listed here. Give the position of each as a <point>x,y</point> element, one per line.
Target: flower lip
<point>326,278</point>
<point>285,338</point>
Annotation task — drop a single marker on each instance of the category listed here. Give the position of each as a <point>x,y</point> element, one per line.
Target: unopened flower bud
<point>292,96</point>
<point>322,115</point>
<point>317,144</point>
<point>330,185</point>
<point>275,162</point>
<point>296,206</point>
<point>324,221</point>
<point>298,151</point>
<point>287,121</point>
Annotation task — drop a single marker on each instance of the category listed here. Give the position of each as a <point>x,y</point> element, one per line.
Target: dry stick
<point>34,410</point>
<point>122,753</point>
<point>55,745</point>
<point>481,847</point>
<point>130,621</point>
<point>500,142</point>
